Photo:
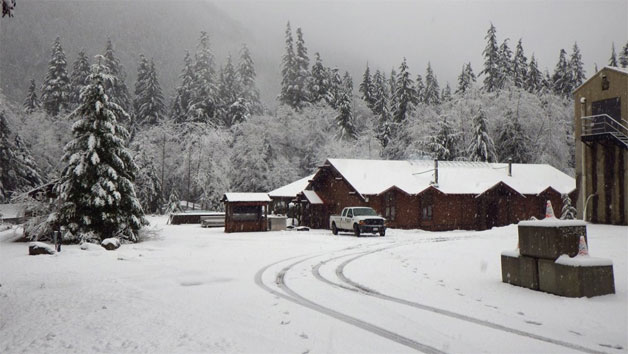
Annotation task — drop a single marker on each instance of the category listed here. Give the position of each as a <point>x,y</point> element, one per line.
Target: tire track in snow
<point>357,287</point>
<point>296,298</point>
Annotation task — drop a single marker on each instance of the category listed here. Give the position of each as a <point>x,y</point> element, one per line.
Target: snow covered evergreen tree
<point>612,61</point>
<point>534,81</point>
<point>623,56</point>
<point>319,83</point>
<point>465,79</point>
<point>336,88</point>
<point>140,84</point>
<point>249,91</point>
<point>185,92</point>
<point>491,55</point>
<point>568,212</point>
<point>561,80</point>
<point>55,94</point>
<point>481,147</point>
<point>405,94</point>
<point>366,88</point>
<point>229,91</point>
<point>96,190</point>
<point>203,103</point>
<point>116,88</point>
<point>512,142</point>
<point>443,143</point>
<point>302,73</point>
<point>344,118</point>
<point>431,94</point>
<point>31,102</point>
<point>505,65</point>
<point>174,203</point>
<point>420,89</point>
<point>18,171</point>
<point>78,78</point>
<point>288,71</point>
<point>445,95</point>
<point>519,66</point>
<point>576,67</point>
<point>149,101</point>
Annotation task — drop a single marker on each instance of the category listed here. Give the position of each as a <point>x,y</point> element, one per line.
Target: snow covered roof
<point>372,177</point>
<point>312,197</point>
<point>614,68</point>
<point>246,197</point>
<point>291,190</point>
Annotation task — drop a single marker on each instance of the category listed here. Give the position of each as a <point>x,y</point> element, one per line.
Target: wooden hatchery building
<point>434,195</point>
<point>246,212</point>
<point>601,133</point>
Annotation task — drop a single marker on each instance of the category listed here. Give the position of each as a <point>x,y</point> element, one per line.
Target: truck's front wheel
<point>334,229</point>
<point>356,230</point>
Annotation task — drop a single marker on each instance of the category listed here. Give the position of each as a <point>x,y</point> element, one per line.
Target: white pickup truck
<point>358,220</point>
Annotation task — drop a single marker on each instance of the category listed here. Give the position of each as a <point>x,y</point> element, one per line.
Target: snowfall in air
<point>189,289</point>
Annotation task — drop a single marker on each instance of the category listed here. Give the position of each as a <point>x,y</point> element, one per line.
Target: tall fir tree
<point>185,92</point>
<point>380,108</point>
<point>116,88</point>
<point>445,95</point>
<point>392,89</point>
<point>366,87</point>
<point>344,119</point>
<point>55,91</point>
<point>18,172</point>
<point>405,94</point>
<point>512,142</point>
<point>96,192</point>
<point>482,147</point>
<point>431,93</point>
<point>534,80</point>
<point>249,91</point>
<point>288,71</point>
<point>229,91</point>
<point>420,89</point>
<point>149,103</point>
<point>142,73</point>
<point>336,88</point>
<point>623,56</point>
<point>465,79</point>
<point>519,66</point>
<point>505,64</point>
<point>347,83</point>
<point>203,102</point>
<point>491,69</point>
<point>319,84</point>
<point>612,61</point>
<point>561,80</point>
<point>78,78</point>
<point>576,67</point>
<point>31,102</point>
<point>302,73</point>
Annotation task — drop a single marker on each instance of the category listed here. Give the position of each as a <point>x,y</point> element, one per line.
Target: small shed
<point>246,212</point>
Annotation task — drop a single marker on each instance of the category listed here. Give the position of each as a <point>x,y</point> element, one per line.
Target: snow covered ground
<point>189,289</point>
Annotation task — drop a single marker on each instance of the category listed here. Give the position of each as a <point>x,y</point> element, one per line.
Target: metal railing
<point>603,124</point>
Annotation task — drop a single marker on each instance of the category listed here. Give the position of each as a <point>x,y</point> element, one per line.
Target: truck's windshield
<point>364,211</point>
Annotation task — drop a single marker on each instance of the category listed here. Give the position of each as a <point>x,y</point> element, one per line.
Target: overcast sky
<point>446,33</point>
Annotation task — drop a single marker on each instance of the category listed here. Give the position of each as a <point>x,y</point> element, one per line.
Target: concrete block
<point>528,273</point>
<point>550,242</point>
<point>510,270</point>
<point>575,281</point>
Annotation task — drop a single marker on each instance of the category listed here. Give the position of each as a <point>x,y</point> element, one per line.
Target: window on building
<point>247,212</point>
<point>427,207</point>
<point>389,202</point>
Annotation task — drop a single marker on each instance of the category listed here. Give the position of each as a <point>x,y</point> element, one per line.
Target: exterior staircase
<point>602,127</point>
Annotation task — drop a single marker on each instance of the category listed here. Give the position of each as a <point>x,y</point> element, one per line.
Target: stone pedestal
<point>575,281</point>
<point>550,242</point>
